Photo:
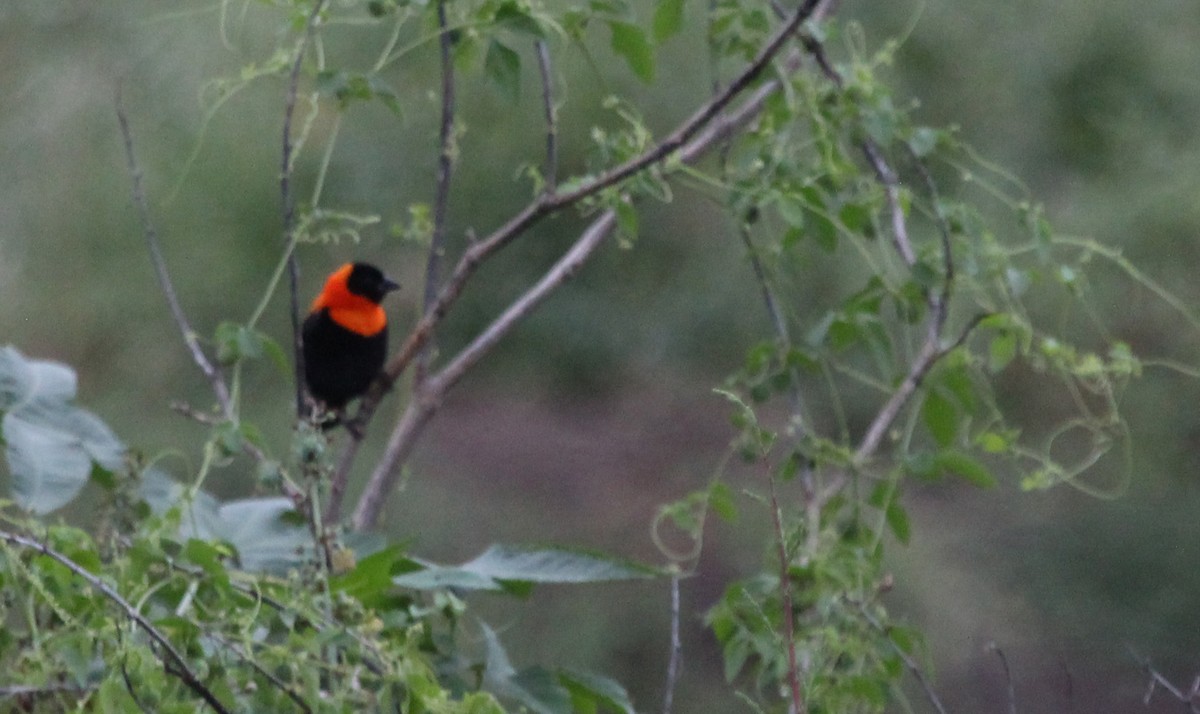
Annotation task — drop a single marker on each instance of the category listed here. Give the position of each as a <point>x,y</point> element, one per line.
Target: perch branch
<point>549,203</point>
<point>428,396</point>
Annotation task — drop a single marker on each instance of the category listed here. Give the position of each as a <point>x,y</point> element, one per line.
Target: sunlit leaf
<point>940,417</point>
<point>668,19</point>
<point>630,42</point>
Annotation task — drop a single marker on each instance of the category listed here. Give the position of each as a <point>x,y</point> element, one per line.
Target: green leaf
<point>897,520</point>
<point>940,417</point>
<point>964,466</point>
<point>668,19</point>
<point>554,565</point>
<point>592,691</point>
<point>502,65</point>
<point>823,230</point>
<point>1001,350</point>
<point>924,140</point>
<point>514,18</point>
<point>50,445</point>
<point>370,582</point>
<point>720,500</point>
<point>508,567</point>
<point>630,42</point>
<point>237,342</point>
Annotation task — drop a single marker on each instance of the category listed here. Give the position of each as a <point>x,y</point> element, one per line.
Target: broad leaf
<point>630,42</point>
<point>50,445</point>
<point>502,566</point>
<point>668,19</point>
<point>503,68</point>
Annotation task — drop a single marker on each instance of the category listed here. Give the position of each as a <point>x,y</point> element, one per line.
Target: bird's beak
<point>389,285</point>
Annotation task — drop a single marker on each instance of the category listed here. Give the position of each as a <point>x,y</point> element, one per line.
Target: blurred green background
<point>599,408</point>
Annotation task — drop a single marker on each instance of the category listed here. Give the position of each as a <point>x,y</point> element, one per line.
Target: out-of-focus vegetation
<point>1089,103</point>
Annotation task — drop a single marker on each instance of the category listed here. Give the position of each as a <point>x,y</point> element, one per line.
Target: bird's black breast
<point>340,364</point>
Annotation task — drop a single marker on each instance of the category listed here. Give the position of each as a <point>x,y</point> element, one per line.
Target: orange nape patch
<point>353,312</point>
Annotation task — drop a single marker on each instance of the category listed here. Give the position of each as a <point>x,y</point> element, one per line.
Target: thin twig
<point>427,398</point>
<point>171,658</point>
<point>211,372</point>
<point>288,200</point>
<point>1190,698</point>
<point>437,242</point>
<point>675,659</point>
<point>909,663</point>
<point>270,676</point>
<point>1008,679</point>
<point>550,170</point>
<point>785,594</point>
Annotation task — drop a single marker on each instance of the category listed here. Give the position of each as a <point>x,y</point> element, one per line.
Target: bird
<point>345,335</point>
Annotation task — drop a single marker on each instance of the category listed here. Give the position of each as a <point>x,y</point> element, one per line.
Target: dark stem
<point>437,242</point>
<point>550,170</point>
<point>288,201</point>
<point>171,658</point>
<point>785,595</point>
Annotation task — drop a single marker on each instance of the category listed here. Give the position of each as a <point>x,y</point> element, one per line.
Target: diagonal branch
<point>171,658</point>
<point>705,129</point>
<point>428,396</point>
<point>549,203</point>
<point>211,372</point>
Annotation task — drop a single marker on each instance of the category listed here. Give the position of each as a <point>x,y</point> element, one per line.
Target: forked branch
<point>211,372</point>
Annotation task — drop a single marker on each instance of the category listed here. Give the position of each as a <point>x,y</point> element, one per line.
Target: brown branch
<point>549,203</point>
<point>689,141</point>
<point>211,372</point>
<point>288,201</point>
<point>172,660</point>
<point>437,242</point>
<point>427,397</point>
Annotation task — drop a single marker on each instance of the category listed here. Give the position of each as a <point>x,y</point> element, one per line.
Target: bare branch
<point>891,189</point>
<point>675,660</point>
<point>550,171</point>
<point>437,243</point>
<point>211,372</point>
<point>1190,698</point>
<point>1012,692</point>
<point>546,204</point>
<point>427,397</point>
<point>172,660</point>
<point>288,200</point>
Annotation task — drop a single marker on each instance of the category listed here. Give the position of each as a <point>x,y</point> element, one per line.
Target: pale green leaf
<point>630,42</point>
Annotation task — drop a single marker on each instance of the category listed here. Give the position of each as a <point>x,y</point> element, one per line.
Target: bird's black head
<point>370,282</point>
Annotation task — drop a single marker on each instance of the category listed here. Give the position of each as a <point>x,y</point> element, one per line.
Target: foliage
<point>893,374</point>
